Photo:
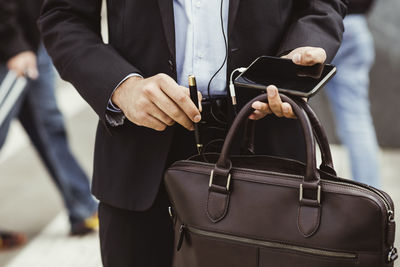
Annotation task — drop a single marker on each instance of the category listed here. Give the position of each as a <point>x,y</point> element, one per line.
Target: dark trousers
<point>145,239</point>
<point>136,239</point>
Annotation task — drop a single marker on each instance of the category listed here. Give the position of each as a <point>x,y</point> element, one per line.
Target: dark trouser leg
<point>137,239</point>
<point>143,239</point>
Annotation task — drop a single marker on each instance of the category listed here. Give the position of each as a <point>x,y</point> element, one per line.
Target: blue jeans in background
<point>39,115</point>
<point>348,95</point>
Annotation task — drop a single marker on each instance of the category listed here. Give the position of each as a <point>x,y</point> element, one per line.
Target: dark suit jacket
<point>18,28</point>
<point>130,160</point>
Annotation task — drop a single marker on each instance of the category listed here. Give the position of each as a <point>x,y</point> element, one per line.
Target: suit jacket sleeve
<point>316,23</point>
<point>71,33</point>
<point>11,35</point>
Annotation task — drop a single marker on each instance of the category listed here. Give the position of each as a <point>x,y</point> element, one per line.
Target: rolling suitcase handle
<point>10,90</point>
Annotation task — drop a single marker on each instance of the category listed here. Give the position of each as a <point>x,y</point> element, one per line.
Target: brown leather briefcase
<point>258,211</point>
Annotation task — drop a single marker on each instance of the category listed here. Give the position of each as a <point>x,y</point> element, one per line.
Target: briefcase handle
<point>318,130</point>
<point>224,164</point>
<point>309,212</point>
<point>321,137</point>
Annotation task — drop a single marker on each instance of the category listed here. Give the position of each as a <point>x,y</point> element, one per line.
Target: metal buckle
<point>318,193</point>
<point>392,256</point>
<point>170,212</point>
<point>228,183</point>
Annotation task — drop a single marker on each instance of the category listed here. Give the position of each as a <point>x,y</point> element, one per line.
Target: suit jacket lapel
<point>233,8</point>
<point>167,16</point>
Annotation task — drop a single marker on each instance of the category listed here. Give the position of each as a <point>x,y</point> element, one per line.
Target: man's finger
<point>160,115</point>
<point>314,55</point>
<point>17,69</point>
<point>153,123</point>
<point>288,111</point>
<point>257,115</point>
<point>32,70</point>
<point>32,73</point>
<point>200,99</point>
<point>309,56</point>
<point>274,101</point>
<point>170,108</point>
<point>178,95</point>
<point>187,105</point>
<point>261,106</point>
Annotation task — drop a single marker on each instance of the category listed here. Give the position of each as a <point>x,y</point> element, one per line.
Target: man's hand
<point>24,64</point>
<point>156,102</point>
<point>305,56</point>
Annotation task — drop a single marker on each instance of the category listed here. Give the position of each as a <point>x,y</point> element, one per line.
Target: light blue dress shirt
<point>200,47</point>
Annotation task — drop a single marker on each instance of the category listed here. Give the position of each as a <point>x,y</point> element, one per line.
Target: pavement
<point>29,201</point>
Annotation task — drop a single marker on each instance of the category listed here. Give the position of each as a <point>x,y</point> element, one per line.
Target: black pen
<point>194,97</point>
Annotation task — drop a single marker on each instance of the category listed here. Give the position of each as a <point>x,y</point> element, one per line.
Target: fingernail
<point>29,73</point>
<point>285,108</point>
<point>256,105</point>
<point>297,58</point>
<point>197,118</point>
<point>32,74</point>
<point>271,92</point>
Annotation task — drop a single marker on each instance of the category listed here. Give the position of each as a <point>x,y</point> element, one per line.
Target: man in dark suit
<point>152,37</point>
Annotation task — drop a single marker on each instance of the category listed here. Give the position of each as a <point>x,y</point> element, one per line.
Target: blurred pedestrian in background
<point>22,52</point>
<point>348,95</point>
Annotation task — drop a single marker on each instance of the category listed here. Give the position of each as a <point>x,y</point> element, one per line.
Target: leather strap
<point>248,147</point>
<point>320,135</point>
<point>224,164</point>
<point>318,130</point>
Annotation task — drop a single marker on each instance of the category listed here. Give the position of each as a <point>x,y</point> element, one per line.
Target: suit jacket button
<point>171,65</point>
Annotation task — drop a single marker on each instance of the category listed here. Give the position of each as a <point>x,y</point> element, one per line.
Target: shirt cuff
<point>114,116</point>
<point>111,106</point>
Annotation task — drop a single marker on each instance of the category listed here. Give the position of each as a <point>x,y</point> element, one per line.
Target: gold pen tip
<point>199,148</point>
<point>192,80</point>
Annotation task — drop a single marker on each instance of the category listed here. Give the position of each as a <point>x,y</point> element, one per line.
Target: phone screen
<point>287,76</point>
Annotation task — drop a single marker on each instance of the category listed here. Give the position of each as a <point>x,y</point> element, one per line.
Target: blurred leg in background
<point>9,240</point>
<point>42,120</point>
<point>349,98</point>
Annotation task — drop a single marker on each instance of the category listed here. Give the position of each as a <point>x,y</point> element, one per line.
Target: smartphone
<point>289,78</point>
